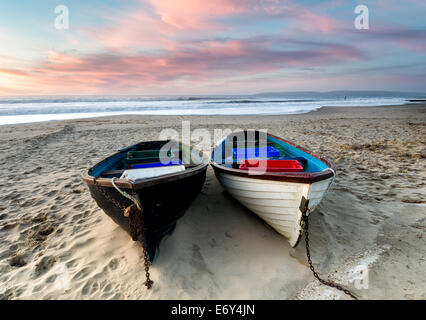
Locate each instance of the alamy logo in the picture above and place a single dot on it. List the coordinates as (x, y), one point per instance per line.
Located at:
(362, 20)
(227, 153)
(62, 281)
(361, 279)
(62, 20)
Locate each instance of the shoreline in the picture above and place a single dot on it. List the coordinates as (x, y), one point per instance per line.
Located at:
(57, 244)
(320, 109)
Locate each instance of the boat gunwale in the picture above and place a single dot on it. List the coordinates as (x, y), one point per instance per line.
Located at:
(294, 177)
(125, 183)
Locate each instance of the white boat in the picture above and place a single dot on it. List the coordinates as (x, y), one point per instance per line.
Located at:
(277, 192)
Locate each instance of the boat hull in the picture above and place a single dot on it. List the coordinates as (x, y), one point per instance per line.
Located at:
(276, 202)
(279, 197)
(163, 204)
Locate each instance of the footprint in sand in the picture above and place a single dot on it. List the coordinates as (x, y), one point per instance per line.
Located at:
(91, 287)
(77, 217)
(117, 263)
(83, 273)
(39, 234)
(44, 265)
(18, 260)
(78, 206)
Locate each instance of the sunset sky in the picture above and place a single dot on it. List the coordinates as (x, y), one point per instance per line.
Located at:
(210, 47)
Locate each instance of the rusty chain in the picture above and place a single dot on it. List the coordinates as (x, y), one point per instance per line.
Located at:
(106, 195)
(305, 220)
(137, 227)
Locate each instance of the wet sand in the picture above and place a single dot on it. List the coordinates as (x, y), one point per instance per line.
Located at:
(57, 244)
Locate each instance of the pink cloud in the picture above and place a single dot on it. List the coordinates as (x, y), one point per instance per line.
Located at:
(193, 14)
(135, 29)
(13, 72)
(413, 39)
(312, 22)
(303, 18)
(159, 25)
(192, 64)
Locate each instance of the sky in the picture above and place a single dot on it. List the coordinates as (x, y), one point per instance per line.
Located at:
(189, 47)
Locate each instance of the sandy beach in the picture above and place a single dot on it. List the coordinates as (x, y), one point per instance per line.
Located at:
(57, 244)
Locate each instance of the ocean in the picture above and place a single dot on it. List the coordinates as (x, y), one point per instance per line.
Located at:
(16, 110)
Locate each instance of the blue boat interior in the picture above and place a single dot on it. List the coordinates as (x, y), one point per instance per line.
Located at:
(145, 155)
(254, 148)
(228, 154)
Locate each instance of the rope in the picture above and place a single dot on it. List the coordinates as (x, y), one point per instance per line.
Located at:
(126, 195)
(332, 180)
(329, 186)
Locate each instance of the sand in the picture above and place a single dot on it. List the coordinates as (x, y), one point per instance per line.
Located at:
(57, 244)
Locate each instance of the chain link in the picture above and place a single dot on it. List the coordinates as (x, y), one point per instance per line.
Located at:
(305, 220)
(137, 228)
(106, 195)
